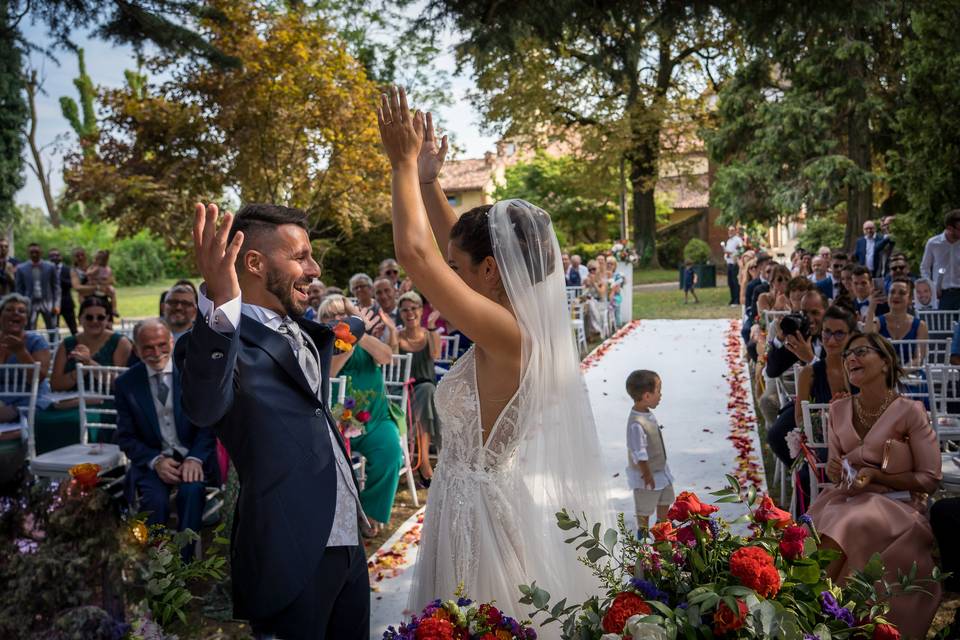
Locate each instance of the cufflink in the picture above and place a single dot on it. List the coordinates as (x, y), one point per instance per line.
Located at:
(216, 355)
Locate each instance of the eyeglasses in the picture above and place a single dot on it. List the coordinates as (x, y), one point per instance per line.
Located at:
(391, 272)
(834, 335)
(859, 352)
(92, 318)
(179, 303)
(898, 267)
(592, 269)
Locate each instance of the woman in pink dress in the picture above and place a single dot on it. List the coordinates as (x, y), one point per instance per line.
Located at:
(890, 446)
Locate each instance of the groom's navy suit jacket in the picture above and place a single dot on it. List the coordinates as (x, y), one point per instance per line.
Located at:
(249, 388)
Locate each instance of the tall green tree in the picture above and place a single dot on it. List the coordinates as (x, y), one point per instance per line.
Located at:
(83, 118)
(809, 115)
(13, 116)
(616, 78)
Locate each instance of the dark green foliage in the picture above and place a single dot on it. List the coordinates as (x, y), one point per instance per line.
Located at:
(819, 232)
(13, 116)
(360, 253)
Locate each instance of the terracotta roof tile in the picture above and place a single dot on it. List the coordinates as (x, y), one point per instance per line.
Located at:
(466, 175)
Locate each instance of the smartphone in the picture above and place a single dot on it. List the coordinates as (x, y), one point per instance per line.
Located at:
(878, 284)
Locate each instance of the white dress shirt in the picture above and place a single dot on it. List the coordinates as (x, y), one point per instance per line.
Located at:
(730, 248)
(166, 416)
(940, 254)
(871, 246)
(226, 319)
(637, 450)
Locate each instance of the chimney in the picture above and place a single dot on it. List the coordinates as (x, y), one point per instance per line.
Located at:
(489, 158)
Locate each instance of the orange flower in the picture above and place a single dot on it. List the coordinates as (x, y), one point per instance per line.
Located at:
(664, 531)
(624, 606)
(347, 415)
(688, 505)
(344, 337)
(85, 475)
(769, 512)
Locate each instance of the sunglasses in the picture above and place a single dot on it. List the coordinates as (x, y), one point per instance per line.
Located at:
(592, 269)
(859, 352)
(391, 272)
(898, 267)
(92, 318)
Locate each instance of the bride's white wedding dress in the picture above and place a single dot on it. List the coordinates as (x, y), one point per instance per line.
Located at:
(490, 523)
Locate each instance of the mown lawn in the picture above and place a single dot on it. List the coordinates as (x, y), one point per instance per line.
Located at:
(669, 305)
(654, 276)
(142, 301)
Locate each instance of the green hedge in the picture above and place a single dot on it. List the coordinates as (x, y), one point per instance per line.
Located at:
(821, 232)
(588, 250)
(697, 251)
(135, 260)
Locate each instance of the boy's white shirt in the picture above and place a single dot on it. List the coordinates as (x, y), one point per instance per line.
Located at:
(637, 450)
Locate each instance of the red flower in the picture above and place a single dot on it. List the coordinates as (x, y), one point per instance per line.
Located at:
(363, 416)
(664, 531)
(885, 632)
(626, 604)
(754, 568)
(686, 534)
(688, 504)
(86, 475)
(791, 545)
(435, 629)
(769, 512)
(490, 614)
(726, 620)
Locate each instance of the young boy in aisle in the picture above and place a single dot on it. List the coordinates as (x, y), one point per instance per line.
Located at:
(647, 471)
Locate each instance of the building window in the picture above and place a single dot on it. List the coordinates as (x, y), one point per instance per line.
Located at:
(453, 201)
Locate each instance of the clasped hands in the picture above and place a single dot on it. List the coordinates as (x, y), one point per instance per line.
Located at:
(865, 476)
(173, 472)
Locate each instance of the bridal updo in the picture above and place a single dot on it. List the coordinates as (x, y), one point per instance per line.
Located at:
(531, 227)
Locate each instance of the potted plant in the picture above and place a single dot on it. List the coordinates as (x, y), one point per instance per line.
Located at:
(698, 252)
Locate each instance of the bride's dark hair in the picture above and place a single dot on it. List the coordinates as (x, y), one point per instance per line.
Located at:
(471, 233)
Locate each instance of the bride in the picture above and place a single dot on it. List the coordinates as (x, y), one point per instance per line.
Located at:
(519, 440)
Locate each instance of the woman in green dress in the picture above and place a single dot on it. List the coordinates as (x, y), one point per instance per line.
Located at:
(380, 441)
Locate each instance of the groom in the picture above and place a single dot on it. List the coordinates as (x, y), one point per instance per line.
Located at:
(257, 374)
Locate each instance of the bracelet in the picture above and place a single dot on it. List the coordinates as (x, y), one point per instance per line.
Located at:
(434, 329)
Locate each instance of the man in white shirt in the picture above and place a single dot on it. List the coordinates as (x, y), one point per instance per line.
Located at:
(866, 246)
(731, 253)
(165, 450)
(941, 261)
(577, 263)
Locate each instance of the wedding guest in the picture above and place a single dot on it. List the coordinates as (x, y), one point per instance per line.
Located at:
(361, 287)
(315, 295)
(796, 288)
(179, 310)
(898, 323)
(571, 275)
(101, 276)
(165, 450)
(805, 267)
(78, 275)
(748, 272)
(837, 262)
(863, 288)
(866, 250)
(18, 346)
(37, 280)
(594, 292)
(5, 256)
(380, 441)
(788, 349)
(424, 344)
(615, 282)
(95, 344)
(885, 247)
(889, 446)
(821, 275)
(648, 474)
(391, 270)
(577, 263)
(924, 296)
(731, 251)
(776, 298)
(760, 284)
(690, 282)
(941, 261)
(67, 308)
(386, 294)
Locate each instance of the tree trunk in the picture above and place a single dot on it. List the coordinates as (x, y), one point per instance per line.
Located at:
(643, 179)
(37, 166)
(859, 199)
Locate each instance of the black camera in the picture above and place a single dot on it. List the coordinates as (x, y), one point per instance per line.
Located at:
(791, 324)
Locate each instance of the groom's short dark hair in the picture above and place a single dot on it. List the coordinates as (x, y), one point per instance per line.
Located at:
(256, 220)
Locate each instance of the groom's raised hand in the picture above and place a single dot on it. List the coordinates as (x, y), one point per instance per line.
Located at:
(401, 133)
(215, 258)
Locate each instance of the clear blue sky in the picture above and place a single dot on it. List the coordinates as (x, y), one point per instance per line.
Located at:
(106, 63)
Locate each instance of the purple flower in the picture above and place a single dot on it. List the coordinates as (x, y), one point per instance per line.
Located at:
(26, 545)
(531, 634)
(714, 527)
(464, 602)
(810, 636)
(349, 403)
(649, 590)
(806, 519)
(832, 608)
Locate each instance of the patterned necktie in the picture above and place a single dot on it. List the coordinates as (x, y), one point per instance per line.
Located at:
(162, 389)
(308, 363)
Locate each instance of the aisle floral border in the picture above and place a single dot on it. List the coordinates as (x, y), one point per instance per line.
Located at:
(743, 424)
(597, 354)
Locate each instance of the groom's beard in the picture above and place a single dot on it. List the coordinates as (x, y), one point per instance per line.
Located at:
(282, 288)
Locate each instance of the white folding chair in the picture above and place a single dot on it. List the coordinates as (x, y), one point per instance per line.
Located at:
(943, 383)
(916, 354)
(816, 428)
(573, 295)
(579, 329)
(395, 377)
(449, 348)
(787, 385)
(95, 392)
(19, 381)
(940, 324)
(337, 394)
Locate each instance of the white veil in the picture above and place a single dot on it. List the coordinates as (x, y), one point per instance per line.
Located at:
(559, 460)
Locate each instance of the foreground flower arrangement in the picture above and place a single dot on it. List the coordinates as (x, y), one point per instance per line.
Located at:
(461, 619)
(697, 579)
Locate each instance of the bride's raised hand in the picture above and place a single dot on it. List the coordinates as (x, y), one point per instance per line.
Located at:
(401, 132)
(431, 157)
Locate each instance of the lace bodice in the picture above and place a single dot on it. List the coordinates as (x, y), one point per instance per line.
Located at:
(458, 403)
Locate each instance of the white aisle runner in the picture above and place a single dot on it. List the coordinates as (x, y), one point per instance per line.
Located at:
(690, 357)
